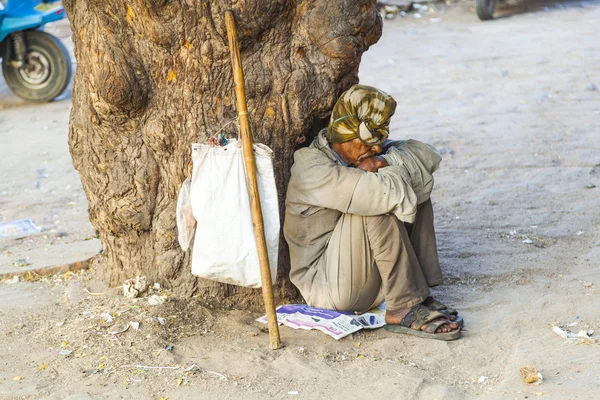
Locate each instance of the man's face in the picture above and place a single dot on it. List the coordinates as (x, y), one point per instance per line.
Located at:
(355, 151)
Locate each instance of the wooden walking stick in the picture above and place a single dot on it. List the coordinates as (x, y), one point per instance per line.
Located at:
(257, 218)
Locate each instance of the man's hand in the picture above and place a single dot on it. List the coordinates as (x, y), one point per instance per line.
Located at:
(372, 164)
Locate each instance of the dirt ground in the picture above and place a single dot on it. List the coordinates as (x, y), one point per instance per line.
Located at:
(513, 105)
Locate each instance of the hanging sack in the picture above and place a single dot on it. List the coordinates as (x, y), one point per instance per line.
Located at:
(185, 216)
(224, 246)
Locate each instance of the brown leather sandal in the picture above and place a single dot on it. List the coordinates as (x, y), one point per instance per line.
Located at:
(420, 315)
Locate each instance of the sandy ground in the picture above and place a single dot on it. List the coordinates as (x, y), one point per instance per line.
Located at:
(37, 181)
(514, 106)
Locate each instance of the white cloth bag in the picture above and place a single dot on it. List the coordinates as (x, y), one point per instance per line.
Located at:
(224, 245)
(185, 216)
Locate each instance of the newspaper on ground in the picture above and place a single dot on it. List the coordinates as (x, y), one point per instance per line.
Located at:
(18, 229)
(336, 324)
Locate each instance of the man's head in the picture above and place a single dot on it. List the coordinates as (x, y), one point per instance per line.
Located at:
(360, 123)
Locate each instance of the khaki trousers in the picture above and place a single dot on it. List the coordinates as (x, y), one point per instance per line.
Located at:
(371, 259)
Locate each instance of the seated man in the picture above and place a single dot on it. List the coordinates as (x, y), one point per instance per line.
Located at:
(359, 222)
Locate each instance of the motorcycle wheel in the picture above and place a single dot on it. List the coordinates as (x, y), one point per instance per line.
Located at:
(46, 69)
(485, 9)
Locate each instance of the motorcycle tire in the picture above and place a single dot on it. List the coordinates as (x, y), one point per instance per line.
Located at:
(46, 71)
(485, 9)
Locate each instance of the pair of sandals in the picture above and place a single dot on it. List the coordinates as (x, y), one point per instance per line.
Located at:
(433, 314)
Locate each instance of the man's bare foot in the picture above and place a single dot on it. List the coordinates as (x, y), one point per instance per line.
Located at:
(395, 317)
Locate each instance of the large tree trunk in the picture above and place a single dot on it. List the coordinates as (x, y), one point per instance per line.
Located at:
(154, 76)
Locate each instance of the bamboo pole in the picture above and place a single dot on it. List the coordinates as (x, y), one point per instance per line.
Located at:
(257, 218)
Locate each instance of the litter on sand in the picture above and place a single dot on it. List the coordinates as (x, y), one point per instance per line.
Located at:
(156, 300)
(581, 337)
(133, 288)
(106, 317)
(19, 228)
(334, 323)
(118, 328)
(531, 376)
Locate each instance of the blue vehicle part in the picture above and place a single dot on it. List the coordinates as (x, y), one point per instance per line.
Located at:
(20, 15)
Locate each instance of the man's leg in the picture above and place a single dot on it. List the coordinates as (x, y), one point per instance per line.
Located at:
(422, 238)
(367, 255)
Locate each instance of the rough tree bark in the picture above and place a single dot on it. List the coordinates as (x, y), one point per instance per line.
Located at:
(154, 76)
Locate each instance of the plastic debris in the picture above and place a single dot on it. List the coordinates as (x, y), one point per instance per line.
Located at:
(106, 317)
(579, 233)
(156, 286)
(118, 328)
(482, 379)
(581, 337)
(65, 352)
(531, 376)
(19, 228)
(528, 241)
(13, 280)
(220, 141)
(135, 325)
(293, 392)
(161, 320)
(156, 300)
(17, 378)
(21, 263)
(170, 347)
(133, 288)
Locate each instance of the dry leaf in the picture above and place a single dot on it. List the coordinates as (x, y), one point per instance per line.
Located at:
(130, 15)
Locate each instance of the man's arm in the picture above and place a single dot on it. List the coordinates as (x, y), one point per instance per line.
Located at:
(420, 159)
(320, 182)
(386, 191)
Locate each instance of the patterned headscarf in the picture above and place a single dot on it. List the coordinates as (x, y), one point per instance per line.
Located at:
(361, 112)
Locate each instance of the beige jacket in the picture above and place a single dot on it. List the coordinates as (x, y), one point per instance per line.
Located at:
(321, 188)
